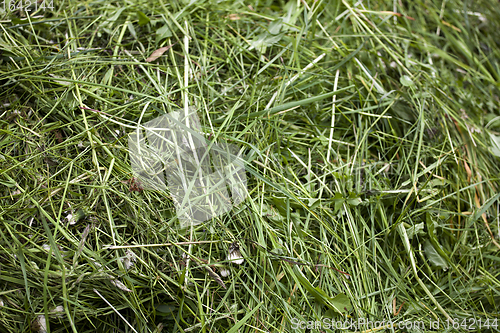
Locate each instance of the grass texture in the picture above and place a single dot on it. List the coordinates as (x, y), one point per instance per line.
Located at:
(371, 136)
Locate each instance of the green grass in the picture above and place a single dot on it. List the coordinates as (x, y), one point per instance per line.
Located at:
(372, 143)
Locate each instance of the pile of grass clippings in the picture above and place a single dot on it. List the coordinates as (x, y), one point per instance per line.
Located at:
(371, 136)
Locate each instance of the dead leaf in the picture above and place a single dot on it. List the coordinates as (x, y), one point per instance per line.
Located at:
(215, 276)
(158, 53)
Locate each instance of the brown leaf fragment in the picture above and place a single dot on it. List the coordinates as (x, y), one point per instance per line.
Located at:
(158, 53)
(233, 17)
(215, 276)
(82, 242)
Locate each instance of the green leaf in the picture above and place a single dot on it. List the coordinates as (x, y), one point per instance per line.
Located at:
(265, 39)
(339, 200)
(339, 303)
(278, 251)
(108, 23)
(8, 183)
(416, 229)
(163, 32)
(433, 256)
(143, 19)
(280, 205)
(406, 81)
(354, 201)
(275, 26)
(165, 309)
(291, 13)
(313, 202)
(495, 145)
(438, 182)
(272, 213)
(131, 29)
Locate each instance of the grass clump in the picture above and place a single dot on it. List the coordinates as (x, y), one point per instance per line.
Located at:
(371, 135)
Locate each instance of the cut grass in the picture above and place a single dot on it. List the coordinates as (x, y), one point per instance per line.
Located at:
(369, 132)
